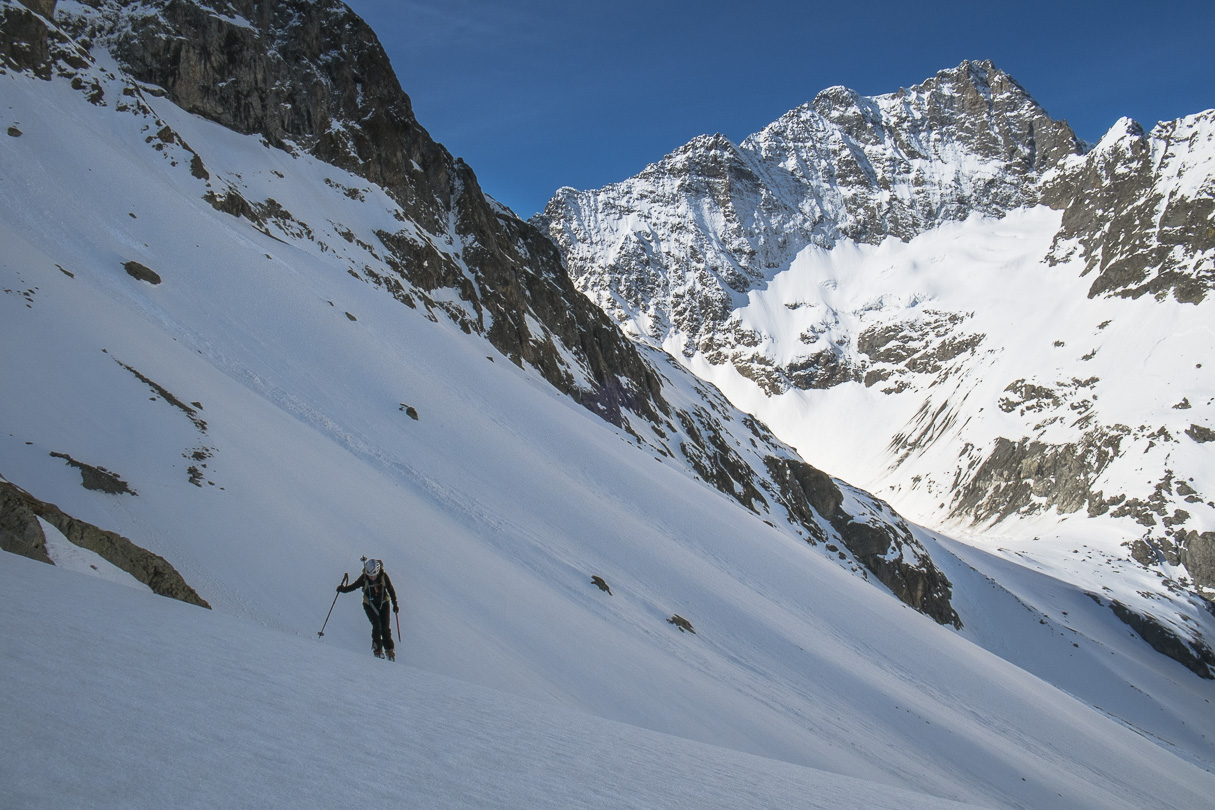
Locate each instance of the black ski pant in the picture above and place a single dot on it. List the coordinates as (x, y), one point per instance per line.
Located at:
(381, 625)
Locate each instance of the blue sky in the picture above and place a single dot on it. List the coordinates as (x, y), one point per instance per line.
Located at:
(538, 94)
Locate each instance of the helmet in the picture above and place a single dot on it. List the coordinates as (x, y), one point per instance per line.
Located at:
(372, 568)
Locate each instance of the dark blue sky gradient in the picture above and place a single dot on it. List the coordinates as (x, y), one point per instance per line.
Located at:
(539, 94)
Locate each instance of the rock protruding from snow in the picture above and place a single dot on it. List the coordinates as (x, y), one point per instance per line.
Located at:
(1140, 209)
(28, 42)
(21, 533)
(871, 531)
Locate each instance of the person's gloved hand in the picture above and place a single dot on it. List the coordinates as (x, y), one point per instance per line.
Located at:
(396, 609)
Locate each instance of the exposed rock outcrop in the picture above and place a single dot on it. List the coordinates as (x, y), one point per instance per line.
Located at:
(20, 533)
(1198, 557)
(1193, 655)
(683, 624)
(28, 42)
(1022, 475)
(880, 540)
(1133, 209)
(141, 272)
(97, 478)
(44, 7)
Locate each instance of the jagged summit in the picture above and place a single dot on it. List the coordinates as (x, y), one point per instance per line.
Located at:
(1140, 208)
(975, 104)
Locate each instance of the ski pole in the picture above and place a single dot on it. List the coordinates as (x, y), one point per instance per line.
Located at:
(345, 578)
(398, 615)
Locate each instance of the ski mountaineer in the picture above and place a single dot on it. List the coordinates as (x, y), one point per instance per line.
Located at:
(377, 589)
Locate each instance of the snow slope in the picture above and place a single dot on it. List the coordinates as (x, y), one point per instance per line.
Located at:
(1139, 358)
(492, 510)
(1100, 378)
(186, 708)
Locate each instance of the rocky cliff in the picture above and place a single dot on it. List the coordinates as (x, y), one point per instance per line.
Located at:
(313, 77)
(1140, 209)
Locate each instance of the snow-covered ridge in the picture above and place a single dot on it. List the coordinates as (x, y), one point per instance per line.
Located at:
(1139, 210)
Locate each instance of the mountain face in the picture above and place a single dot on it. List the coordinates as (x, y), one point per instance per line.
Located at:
(941, 294)
(1140, 210)
(676, 248)
(310, 78)
(313, 77)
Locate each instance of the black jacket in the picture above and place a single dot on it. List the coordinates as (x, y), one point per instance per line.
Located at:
(375, 592)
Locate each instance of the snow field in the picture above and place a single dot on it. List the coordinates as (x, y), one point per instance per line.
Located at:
(137, 701)
(1132, 366)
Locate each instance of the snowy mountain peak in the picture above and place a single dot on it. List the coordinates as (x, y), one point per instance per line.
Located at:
(974, 86)
(1138, 209)
(842, 167)
(1125, 130)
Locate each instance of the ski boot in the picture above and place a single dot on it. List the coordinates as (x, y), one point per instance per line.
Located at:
(375, 648)
(392, 654)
